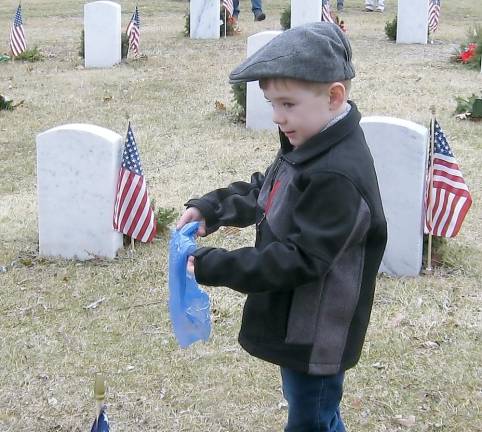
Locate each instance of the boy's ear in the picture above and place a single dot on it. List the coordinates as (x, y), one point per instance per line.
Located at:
(337, 93)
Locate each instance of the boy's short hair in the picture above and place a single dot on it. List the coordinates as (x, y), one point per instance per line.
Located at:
(317, 52)
(316, 87)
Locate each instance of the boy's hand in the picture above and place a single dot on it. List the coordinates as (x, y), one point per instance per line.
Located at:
(190, 265)
(192, 214)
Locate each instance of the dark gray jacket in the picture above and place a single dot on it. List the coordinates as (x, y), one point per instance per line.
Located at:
(320, 238)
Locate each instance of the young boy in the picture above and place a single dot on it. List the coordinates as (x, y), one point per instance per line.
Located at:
(320, 227)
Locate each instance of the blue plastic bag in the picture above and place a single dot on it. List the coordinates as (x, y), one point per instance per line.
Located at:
(188, 304)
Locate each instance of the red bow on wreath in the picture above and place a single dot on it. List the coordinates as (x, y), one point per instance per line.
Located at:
(469, 52)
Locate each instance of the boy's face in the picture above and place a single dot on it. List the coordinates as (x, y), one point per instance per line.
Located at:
(298, 110)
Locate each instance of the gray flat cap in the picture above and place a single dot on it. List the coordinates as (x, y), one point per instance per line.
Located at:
(317, 52)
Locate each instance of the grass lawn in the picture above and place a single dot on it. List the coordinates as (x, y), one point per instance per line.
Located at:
(423, 349)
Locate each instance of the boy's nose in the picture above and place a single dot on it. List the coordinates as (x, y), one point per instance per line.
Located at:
(278, 117)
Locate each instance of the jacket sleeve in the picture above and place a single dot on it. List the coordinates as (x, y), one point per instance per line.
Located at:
(329, 217)
(234, 205)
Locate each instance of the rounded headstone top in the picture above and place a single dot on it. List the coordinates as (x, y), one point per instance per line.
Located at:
(84, 128)
(393, 121)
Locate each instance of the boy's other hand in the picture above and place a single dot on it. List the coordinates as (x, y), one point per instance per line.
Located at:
(192, 214)
(190, 265)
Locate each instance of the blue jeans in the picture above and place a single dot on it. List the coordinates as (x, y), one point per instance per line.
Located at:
(255, 5)
(313, 401)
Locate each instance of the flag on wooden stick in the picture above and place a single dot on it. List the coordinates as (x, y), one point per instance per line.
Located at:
(133, 32)
(18, 43)
(101, 422)
(133, 214)
(448, 198)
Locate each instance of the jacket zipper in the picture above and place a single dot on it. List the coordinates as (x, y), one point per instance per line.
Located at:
(275, 172)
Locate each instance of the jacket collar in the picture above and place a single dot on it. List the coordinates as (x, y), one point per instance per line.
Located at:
(321, 142)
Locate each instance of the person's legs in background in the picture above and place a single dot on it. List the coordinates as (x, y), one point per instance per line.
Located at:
(257, 8)
(236, 9)
(234, 18)
(313, 401)
(339, 5)
(370, 5)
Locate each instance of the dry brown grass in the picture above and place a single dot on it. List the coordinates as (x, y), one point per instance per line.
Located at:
(422, 355)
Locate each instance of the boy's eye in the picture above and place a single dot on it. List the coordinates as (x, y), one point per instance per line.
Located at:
(288, 105)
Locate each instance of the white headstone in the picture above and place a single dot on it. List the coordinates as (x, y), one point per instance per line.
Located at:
(102, 34)
(305, 11)
(399, 149)
(259, 114)
(412, 21)
(204, 19)
(77, 171)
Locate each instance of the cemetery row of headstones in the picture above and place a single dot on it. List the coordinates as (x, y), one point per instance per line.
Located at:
(412, 16)
(77, 175)
(102, 25)
(101, 35)
(77, 165)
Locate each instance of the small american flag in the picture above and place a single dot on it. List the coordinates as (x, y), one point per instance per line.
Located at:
(133, 31)
(229, 6)
(101, 423)
(448, 197)
(326, 12)
(433, 15)
(133, 214)
(18, 43)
